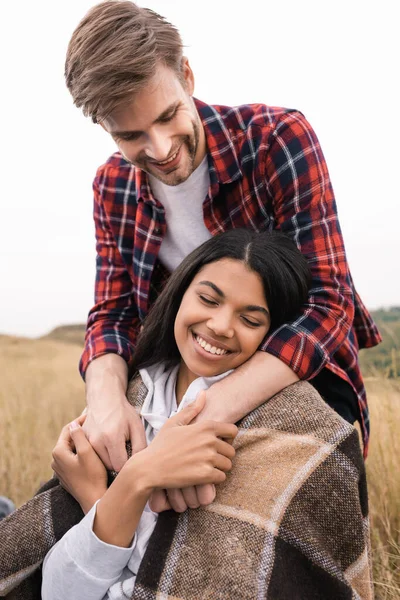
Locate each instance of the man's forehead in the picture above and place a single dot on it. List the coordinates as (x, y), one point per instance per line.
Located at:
(162, 92)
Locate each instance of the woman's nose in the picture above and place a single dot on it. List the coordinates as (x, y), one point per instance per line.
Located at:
(221, 324)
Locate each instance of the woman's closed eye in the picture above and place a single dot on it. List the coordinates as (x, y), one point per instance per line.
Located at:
(250, 322)
(207, 300)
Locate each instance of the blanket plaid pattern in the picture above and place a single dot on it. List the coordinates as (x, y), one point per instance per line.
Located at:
(289, 523)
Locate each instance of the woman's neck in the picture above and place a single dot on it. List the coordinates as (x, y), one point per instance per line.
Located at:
(183, 380)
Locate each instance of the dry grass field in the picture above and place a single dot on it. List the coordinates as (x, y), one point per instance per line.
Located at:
(41, 391)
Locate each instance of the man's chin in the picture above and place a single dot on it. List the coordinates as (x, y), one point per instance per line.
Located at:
(174, 178)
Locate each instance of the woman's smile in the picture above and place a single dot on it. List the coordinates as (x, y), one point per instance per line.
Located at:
(210, 349)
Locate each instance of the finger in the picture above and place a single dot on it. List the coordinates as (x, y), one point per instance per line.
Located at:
(206, 493)
(158, 501)
(222, 463)
(225, 448)
(79, 438)
(176, 500)
(100, 448)
(81, 419)
(103, 454)
(65, 436)
(137, 436)
(224, 430)
(185, 416)
(118, 454)
(218, 476)
(190, 496)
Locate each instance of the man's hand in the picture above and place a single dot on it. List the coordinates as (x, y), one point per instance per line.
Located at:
(109, 424)
(77, 466)
(111, 420)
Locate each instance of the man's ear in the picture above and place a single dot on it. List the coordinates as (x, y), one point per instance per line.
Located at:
(188, 77)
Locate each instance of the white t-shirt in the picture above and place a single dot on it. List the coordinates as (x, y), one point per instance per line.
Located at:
(183, 206)
(82, 567)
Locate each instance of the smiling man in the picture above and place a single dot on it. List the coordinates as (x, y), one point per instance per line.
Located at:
(186, 171)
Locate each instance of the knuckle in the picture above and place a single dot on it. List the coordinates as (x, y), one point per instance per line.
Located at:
(55, 453)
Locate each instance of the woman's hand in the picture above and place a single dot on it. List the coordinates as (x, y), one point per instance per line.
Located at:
(181, 455)
(193, 496)
(78, 467)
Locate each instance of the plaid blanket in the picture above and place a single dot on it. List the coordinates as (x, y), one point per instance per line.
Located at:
(290, 522)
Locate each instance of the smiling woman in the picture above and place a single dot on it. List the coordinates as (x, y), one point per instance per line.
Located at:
(229, 292)
(289, 488)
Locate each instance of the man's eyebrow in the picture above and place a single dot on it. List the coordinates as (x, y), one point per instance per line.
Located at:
(250, 307)
(166, 113)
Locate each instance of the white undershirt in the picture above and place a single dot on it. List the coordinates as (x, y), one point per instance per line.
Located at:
(81, 566)
(183, 206)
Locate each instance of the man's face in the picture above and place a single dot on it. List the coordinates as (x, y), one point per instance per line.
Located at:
(160, 131)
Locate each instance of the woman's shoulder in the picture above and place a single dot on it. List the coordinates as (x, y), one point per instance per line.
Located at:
(299, 411)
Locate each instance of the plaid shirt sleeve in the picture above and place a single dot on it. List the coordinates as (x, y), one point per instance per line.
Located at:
(113, 322)
(304, 208)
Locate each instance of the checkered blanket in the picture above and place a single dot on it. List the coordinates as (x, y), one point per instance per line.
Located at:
(289, 523)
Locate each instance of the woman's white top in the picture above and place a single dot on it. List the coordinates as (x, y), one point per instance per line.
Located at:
(80, 565)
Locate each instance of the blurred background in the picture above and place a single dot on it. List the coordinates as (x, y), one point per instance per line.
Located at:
(337, 62)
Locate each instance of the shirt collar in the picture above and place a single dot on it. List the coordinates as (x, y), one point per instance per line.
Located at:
(222, 157)
(223, 162)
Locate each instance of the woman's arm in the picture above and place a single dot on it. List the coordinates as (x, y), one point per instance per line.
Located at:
(179, 456)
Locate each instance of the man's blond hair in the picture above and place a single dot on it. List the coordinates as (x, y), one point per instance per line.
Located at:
(114, 52)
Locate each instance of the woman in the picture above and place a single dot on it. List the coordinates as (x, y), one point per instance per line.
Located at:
(272, 531)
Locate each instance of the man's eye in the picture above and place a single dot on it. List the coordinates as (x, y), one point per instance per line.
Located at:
(168, 118)
(131, 137)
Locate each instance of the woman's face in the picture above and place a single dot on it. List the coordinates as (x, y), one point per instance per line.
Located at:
(222, 319)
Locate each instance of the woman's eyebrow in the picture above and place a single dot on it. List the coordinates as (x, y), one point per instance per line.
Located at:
(214, 287)
(255, 308)
(250, 307)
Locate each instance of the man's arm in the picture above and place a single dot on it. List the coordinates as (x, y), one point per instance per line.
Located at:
(251, 384)
(113, 321)
(110, 339)
(304, 208)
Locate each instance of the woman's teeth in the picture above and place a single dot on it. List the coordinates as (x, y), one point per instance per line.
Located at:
(208, 348)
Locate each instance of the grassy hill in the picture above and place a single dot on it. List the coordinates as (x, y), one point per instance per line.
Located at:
(384, 358)
(41, 391)
(72, 334)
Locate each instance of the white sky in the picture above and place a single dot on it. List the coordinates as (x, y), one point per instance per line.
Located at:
(337, 62)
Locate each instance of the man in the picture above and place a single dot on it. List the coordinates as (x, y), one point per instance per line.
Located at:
(186, 171)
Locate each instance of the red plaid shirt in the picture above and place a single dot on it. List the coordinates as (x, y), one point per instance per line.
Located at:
(267, 171)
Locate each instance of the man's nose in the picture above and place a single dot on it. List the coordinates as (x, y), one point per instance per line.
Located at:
(158, 146)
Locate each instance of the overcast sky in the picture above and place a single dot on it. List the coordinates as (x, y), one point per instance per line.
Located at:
(337, 62)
